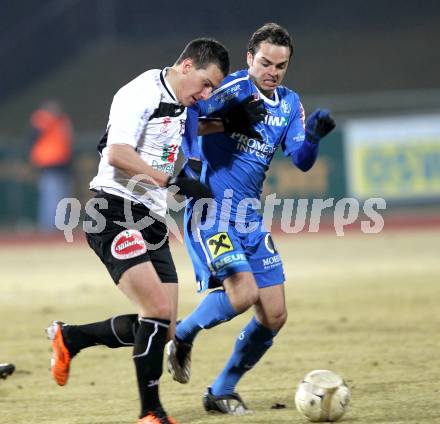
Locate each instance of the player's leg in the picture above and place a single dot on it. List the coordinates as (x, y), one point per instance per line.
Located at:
(117, 331)
(68, 340)
(131, 262)
(214, 309)
(114, 332)
(171, 289)
(144, 289)
(164, 265)
(254, 339)
(239, 294)
(217, 307)
(217, 260)
(271, 310)
(252, 343)
(152, 286)
(257, 336)
(156, 303)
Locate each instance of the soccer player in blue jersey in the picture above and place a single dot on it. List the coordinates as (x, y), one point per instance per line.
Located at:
(231, 250)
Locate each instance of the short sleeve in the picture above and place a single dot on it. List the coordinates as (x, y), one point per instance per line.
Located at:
(129, 113)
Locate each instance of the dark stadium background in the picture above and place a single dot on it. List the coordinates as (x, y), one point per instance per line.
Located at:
(359, 58)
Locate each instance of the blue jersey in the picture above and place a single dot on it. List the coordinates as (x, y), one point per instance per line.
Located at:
(238, 163)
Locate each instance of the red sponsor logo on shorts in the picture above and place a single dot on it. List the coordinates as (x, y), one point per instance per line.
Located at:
(128, 244)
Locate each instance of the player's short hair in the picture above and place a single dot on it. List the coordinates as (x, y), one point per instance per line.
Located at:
(205, 51)
(273, 34)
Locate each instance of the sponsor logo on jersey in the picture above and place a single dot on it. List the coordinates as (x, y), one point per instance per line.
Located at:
(169, 152)
(250, 145)
(165, 124)
(303, 115)
(228, 94)
(299, 137)
(182, 126)
(168, 168)
(128, 244)
(268, 242)
(276, 121)
(285, 107)
(218, 244)
(211, 109)
(229, 259)
(272, 261)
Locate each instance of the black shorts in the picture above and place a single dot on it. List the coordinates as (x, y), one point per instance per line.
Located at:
(121, 248)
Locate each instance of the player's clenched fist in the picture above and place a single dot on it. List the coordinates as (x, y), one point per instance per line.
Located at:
(190, 187)
(319, 124)
(242, 116)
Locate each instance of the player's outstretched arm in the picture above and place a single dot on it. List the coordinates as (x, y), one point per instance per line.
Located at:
(318, 125)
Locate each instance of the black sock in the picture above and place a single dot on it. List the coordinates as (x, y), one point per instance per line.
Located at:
(148, 356)
(118, 331)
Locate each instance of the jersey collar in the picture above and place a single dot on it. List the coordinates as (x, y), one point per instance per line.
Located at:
(166, 85)
(271, 102)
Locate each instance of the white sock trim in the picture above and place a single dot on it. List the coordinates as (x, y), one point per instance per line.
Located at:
(115, 334)
(152, 321)
(150, 340)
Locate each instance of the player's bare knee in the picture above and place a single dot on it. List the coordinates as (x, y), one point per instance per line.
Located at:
(253, 296)
(164, 310)
(160, 310)
(275, 321)
(242, 291)
(244, 299)
(243, 303)
(279, 320)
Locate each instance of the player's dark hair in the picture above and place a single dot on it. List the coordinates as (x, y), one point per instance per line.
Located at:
(205, 51)
(273, 34)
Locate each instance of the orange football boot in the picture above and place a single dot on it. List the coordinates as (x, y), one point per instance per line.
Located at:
(60, 361)
(156, 417)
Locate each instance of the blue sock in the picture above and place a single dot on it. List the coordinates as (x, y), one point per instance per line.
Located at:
(214, 309)
(251, 345)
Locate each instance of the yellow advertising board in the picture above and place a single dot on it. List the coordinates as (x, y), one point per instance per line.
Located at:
(394, 158)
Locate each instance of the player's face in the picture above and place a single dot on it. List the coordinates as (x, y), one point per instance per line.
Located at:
(198, 84)
(268, 66)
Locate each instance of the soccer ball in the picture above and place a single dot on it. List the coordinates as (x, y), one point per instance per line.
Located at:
(322, 396)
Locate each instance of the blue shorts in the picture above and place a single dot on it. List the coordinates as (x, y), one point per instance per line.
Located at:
(221, 251)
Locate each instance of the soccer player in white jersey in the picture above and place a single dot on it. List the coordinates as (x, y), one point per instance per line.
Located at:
(236, 255)
(144, 132)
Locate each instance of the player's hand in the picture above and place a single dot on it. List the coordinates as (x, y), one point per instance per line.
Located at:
(242, 116)
(191, 169)
(190, 188)
(318, 125)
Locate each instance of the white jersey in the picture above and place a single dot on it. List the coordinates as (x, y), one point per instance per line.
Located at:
(145, 115)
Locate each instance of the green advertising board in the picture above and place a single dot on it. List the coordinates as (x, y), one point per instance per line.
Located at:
(326, 179)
